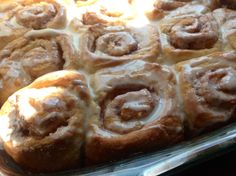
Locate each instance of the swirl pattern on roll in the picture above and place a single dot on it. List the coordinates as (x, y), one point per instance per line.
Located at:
(173, 8)
(157, 71)
(103, 46)
(159, 8)
(139, 111)
(190, 36)
(36, 14)
(42, 125)
(31, 56)
(9, 33)
(207, 85)
(162, 7)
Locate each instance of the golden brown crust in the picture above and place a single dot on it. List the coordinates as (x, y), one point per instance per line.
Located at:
(102, 46)
(139, 111)
(31, 56)
(189, 36)
(207, 85)
(42, 125)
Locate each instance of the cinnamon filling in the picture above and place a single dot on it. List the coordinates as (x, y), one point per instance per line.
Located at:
(193, 33)
(43, 111)
(124, 112)
(39, 57)
(132, 105)
(217, 87)
(36, 16)
(116, 44)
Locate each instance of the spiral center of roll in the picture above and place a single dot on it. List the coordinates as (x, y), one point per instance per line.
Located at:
(136, 105)
(39, 57)
(218, 87)
(193, 33)
(122, 114)
(45, 110)
(225, 79)
(116, 44)
(36, 16)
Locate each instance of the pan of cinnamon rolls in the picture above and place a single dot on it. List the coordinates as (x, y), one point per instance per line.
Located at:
(87, 82)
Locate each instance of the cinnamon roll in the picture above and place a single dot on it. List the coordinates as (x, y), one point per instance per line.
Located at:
(43, 125)
(189, 36)
(32, 56)
(207, 85)
(9, 32)
(102, 46)
(226, 19)
(139, 111)
(162, 8)
(111, 12)
(36, 14)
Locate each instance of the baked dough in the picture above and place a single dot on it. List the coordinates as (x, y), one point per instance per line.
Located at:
(34, 14)
(31, 56)
(19, 16)
(162, 8)
(207, 86)
(189, 36)
(110, 12)
(226, 19)
(42, 125)
(156, 72)
(102, 46)
(9, 32)
(139, 111)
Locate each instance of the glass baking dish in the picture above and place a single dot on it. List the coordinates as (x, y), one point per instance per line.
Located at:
(171, 160)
